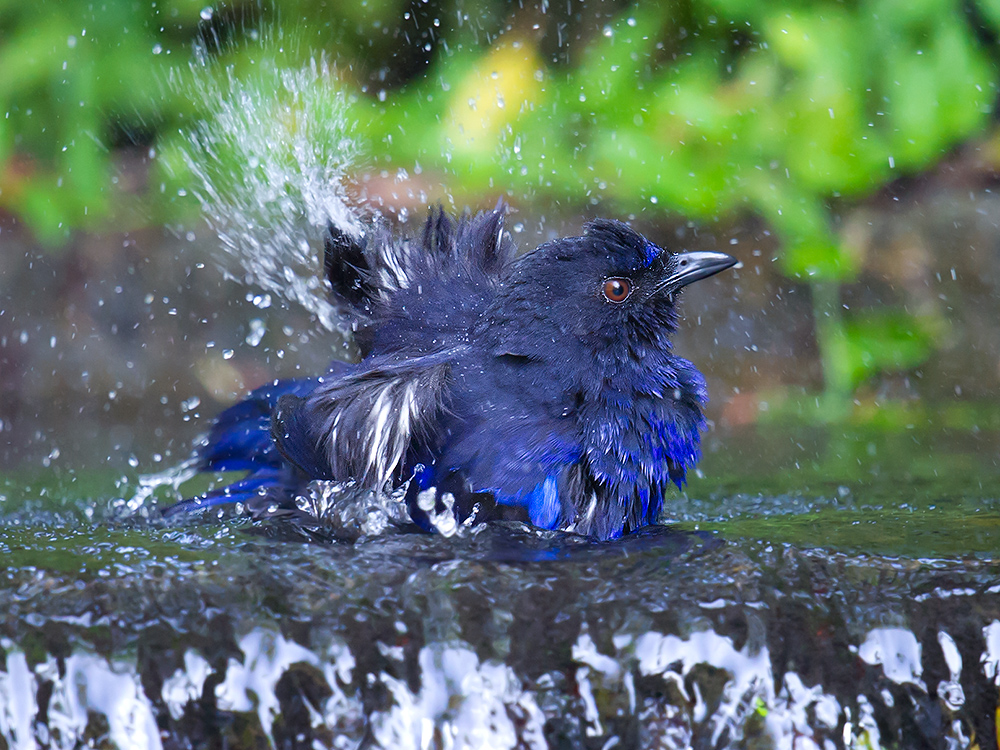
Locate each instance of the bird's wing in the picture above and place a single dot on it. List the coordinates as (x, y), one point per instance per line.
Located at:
(513, 449)
(363, 426)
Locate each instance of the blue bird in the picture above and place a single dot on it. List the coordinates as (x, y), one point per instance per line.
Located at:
(541, 388)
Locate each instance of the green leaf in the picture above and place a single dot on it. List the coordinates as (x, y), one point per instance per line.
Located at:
(885, 341)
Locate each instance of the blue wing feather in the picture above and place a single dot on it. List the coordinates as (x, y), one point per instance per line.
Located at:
(517, 451)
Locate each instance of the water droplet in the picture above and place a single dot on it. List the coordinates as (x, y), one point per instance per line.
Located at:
(257, 331)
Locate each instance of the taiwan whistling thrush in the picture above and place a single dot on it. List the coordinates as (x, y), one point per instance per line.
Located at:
(541, 388)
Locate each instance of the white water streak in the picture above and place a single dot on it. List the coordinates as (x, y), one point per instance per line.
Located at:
(269, 166)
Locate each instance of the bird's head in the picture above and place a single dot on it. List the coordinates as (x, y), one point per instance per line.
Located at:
(611, 289)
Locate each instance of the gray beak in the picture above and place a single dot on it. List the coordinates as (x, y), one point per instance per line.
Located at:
(689, 267)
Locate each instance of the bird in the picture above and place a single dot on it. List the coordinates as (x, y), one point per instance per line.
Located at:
(541, 388)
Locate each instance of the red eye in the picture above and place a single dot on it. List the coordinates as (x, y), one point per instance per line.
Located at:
(617, 289)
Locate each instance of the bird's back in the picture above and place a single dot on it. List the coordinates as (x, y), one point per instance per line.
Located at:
(419, 295)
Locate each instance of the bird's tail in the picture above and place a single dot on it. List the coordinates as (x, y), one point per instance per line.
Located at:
(240, 440)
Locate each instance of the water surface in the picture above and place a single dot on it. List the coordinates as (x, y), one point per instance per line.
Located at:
(818, 587)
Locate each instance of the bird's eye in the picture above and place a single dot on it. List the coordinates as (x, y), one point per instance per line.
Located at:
(617, 289)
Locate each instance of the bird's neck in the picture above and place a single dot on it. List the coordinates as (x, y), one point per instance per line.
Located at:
(643, 366)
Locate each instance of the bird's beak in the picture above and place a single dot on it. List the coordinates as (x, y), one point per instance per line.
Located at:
(693, 266)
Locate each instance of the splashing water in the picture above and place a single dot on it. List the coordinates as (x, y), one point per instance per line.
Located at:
(347, 511)
(269, 167)
(343, 507)
(149, 484)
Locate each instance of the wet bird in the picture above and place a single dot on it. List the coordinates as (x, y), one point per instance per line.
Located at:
(541, 388)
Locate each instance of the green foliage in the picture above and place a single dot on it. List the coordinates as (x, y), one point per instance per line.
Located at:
(79, 79)
(705, 109)
(878, 341)
(72, 72)
(776, 108)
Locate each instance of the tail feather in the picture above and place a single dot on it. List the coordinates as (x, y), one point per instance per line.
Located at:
(240, 439)
(273, 482)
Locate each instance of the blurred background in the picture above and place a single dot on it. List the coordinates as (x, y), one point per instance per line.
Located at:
(166, 169)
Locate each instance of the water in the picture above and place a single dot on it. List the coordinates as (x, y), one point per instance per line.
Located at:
(867, 616)
(269, 168)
